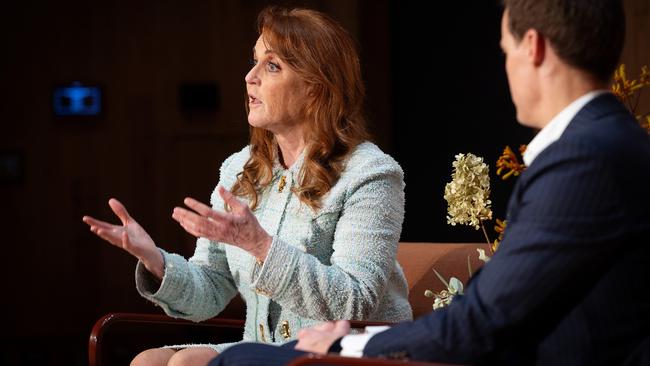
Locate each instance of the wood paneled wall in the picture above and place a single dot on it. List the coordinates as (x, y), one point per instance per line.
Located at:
(58, 277)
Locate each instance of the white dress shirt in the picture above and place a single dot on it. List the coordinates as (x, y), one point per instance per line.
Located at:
(554, 129)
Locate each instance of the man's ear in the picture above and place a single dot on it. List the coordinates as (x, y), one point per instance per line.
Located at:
(536, 46)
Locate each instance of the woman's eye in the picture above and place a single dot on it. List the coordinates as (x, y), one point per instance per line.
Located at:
(272, 67)
(252, 62)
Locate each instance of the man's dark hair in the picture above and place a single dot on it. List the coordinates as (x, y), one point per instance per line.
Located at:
(587, 34)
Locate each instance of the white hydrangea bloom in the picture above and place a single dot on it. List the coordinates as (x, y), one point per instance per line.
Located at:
(482, 256)
(468, 194)
(445, 297)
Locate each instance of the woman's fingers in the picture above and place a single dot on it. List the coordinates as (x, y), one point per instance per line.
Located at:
(203, 209)
(196, 224)
(119, 210)
(230, 199)
(109, 235)
(191, 230)
(197, 206)
(128, 235)
(126, 241)
(185, 216)
(102, 229)
(92, 222)
(238, 227)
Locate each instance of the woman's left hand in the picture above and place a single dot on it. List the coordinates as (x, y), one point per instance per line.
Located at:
(239, 227)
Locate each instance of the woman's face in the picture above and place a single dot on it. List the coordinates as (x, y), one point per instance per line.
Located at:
(276, 95)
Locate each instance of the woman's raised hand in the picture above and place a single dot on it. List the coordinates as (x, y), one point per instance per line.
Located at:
(129, 236)
(238, 227)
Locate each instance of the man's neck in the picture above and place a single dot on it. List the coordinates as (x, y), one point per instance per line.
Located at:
(562, 89)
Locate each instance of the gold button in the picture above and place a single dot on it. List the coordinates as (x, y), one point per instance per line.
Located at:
(262, 333)
(284, 330)
(262, 292)
(283, 182)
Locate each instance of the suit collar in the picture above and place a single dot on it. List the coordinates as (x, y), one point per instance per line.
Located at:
(555, 128)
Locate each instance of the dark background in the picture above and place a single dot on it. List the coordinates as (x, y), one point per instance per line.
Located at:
(436, 87)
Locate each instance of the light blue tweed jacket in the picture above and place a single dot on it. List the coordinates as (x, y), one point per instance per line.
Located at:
(337, 263)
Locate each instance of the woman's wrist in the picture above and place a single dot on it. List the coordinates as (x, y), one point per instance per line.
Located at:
(263, 247)
(155, 264)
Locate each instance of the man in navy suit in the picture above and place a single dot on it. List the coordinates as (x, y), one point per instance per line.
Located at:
(570, 283)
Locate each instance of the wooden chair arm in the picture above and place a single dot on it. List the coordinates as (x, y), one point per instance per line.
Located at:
(351, 361)
(107, 321)
(104, 324)
(363, 323)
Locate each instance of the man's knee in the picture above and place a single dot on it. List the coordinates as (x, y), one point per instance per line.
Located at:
(253, 354)
(241, 354)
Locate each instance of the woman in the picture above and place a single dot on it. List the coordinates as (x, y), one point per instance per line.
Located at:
(305, 220)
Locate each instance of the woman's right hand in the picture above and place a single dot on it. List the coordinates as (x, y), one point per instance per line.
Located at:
(129, 236)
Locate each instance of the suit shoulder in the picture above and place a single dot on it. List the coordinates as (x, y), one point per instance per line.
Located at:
(607, 127)
(368, 159)
(617, 140)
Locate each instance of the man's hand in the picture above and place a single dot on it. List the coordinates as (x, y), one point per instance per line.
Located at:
(319, 338)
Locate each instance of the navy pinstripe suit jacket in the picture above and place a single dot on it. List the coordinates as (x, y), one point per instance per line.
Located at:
(570, 283)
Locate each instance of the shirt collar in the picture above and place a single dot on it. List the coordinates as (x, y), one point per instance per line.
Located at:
(554, 129)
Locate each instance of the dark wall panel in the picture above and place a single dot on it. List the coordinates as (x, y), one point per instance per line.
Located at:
(445, 95)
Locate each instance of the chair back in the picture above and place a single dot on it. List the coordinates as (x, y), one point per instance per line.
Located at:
(450, 260)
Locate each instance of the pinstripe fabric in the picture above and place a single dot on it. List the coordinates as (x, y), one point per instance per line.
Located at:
(570, 283)
(255, 354)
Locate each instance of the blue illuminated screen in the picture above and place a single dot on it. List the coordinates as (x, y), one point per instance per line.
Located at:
(77, 100)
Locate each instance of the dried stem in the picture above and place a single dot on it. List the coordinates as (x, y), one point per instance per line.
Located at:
(442, 279)
(487, 238)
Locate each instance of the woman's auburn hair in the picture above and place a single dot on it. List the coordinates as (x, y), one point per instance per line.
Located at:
(324, 55)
